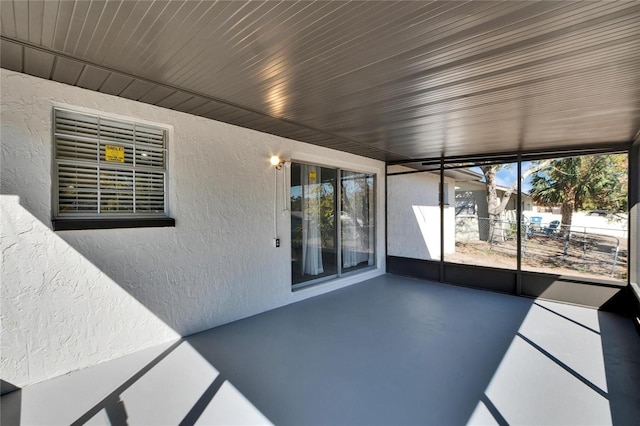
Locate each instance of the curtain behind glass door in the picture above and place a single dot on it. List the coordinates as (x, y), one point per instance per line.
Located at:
(313, 222)
(357, 220)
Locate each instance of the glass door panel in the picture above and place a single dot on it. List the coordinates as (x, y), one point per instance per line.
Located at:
(313, 222)
(357, 220)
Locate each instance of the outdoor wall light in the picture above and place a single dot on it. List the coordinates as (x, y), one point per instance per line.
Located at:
(277, 162)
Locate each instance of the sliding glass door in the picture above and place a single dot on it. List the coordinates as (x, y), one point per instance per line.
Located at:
(325, 244)
(357, 220)
(313, 222)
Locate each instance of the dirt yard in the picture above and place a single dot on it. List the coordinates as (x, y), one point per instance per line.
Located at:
(589, 257)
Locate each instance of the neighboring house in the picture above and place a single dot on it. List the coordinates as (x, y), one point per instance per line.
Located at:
(414, 214)
(471, 199)
(471, 208)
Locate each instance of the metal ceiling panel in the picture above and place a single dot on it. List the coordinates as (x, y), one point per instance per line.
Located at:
(92, 77)
(176, 98)
(157, 94)
(79, 18)
(137, 89)
(36, 12)
(21, 16)
(388, 80)
(38, 63)
(94, 36)
(83, 24)
(67, 71)
(218, 110)
(11, 56)
(49, 20)
(191, 104)
(204, 109)
(62, 26)
(116, 83)
(119, 27)
(7, 19)
(169, 42)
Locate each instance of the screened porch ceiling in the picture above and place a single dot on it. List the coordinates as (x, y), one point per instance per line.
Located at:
(393, 81)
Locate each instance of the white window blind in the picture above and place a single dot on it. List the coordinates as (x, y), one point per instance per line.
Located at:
(108, 168)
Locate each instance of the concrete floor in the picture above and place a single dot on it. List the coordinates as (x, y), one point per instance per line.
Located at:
(388, 351)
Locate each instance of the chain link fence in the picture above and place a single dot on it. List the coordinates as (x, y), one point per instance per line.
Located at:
(545, 246)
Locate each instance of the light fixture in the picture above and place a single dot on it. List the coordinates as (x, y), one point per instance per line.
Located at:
(276, 162)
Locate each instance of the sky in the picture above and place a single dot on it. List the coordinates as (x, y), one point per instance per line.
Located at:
(506, 176)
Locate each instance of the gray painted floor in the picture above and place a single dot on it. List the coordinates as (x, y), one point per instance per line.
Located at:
(388, 351)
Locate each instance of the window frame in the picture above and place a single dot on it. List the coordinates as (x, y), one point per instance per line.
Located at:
(463, 206)
(107, 220)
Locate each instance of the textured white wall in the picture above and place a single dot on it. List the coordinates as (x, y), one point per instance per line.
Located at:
(75, 298)
(635, 237)
(413, 215)
(634, 217)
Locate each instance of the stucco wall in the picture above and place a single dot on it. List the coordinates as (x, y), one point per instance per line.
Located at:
(413, 219)
(635, 236)
(75, 298)
(634, 216)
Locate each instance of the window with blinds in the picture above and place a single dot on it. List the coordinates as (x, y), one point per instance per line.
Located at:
(108, 168)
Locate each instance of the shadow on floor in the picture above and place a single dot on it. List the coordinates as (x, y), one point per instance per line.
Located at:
(10, 404)
(391, 350)
(621, 350)
(388, 351)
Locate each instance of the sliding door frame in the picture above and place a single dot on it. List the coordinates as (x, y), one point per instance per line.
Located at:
(338, 226)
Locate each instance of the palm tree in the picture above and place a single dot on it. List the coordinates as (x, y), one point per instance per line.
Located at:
(574, 181)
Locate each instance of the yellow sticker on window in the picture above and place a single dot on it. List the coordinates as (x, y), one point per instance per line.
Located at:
(312, 175)
(114, 153)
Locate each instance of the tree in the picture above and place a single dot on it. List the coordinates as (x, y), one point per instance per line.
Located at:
(613, 196)
(593, 181)
(495, 208)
